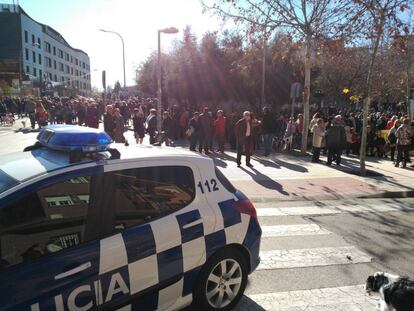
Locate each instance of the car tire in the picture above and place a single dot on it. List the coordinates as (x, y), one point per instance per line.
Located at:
(220, 291)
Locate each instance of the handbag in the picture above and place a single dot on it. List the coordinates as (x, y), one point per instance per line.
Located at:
(190, 131)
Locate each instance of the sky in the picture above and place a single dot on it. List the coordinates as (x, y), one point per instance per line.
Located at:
(136, 20)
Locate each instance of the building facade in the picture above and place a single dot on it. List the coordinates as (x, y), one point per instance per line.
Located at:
(32, 51)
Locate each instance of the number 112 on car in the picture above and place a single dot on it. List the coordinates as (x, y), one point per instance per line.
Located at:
(210, 186)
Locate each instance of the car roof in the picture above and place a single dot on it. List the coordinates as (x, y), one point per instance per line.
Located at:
(25, 165)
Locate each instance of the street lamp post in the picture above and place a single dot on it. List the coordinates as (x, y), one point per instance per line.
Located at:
(123, 49)
(170, 30)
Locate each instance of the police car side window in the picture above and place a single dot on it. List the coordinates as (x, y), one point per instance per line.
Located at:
(145, 194)
(44, 222)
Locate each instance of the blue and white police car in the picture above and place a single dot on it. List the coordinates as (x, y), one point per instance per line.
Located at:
(84, 226)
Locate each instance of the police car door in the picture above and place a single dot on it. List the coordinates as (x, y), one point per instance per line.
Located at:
(49, 259)
(161, 221)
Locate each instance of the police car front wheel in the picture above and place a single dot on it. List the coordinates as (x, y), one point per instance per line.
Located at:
(222, 281)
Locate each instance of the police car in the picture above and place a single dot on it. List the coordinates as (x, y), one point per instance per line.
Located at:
(84, 226)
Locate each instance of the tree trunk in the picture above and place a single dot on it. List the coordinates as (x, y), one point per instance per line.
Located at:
(367, 104)
(306, 99)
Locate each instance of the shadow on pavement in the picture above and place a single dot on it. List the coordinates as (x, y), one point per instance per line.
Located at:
(385, 236)
(247, 304)
(265, 181)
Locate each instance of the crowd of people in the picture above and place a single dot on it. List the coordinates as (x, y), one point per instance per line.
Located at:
(390, 133)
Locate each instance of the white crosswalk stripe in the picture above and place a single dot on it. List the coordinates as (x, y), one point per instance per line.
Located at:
(346, 298)
(311, 257)
(292, 230)
(327, 210)
(295, 229)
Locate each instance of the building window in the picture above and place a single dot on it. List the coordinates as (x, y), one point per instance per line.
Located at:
(54, 50)
(55, 78)
(27, 53)
(47, 47)
(54, 64)
(33, 39)
(62, 79)
(40, 73)
(50, 76)
(76, 61)
(34, 57)
(26, 39)
(67, 69)
(60, 53)
(71, 59)
(38, 42)
(83, 65)
(77, 72)
(67, 57)
(40, 59)
(27, 69)
(34, 72)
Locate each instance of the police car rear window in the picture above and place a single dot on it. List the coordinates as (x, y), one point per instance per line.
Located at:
(6, 181)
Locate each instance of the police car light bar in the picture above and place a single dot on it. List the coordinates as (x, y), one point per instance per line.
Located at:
(74, 138)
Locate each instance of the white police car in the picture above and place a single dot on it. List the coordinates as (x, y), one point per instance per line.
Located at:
(85, 227)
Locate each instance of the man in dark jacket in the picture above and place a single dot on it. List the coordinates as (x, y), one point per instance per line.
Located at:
(268, 127)
(206, 123)
(109, 121)
(244, 138)
(152, 125)
(335, 140)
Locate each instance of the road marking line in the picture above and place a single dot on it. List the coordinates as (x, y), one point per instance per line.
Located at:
(292, 230)
(311, 257)
(345, 298)
(329, 210)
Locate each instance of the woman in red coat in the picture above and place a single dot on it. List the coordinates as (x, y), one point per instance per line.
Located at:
(220, 130)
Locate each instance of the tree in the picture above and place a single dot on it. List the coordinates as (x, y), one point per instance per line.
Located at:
(307, 20)
(378, 18)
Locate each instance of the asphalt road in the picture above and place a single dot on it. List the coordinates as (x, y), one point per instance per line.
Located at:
(316, 255)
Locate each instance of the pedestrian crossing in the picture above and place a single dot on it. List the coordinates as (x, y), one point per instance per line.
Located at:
(296, 256)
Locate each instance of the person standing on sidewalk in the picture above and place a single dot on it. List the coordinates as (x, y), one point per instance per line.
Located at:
(392, 138)
(206, 130)
(335, 140)
(109, 121)
(268, 129)
(138, 123)
(193, 131)
(404, 134)
(318, 131)
(119, 126)
(244, 138)
(220, 130)
(152, 125)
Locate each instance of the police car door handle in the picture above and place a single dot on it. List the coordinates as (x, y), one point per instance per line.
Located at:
(193, 223)
(73, 271)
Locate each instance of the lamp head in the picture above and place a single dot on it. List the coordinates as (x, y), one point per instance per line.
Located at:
(169, 30)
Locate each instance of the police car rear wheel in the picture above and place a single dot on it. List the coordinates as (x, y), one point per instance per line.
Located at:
(222, 281)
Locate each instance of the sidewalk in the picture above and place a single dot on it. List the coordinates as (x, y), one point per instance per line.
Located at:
(295, 177)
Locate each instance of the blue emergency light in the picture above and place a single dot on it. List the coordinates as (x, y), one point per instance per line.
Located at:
(74, 138)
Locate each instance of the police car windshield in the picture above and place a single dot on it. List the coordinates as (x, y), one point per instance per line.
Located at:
(6, 181)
